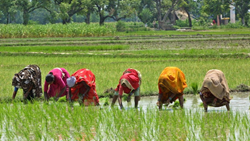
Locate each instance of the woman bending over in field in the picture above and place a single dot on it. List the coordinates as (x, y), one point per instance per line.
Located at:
(28, 79)
(129, 83)
(171, 84)
(82, 86)
(214, 91)
(56, 80)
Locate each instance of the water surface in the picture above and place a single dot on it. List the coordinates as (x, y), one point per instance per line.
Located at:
(239, 102)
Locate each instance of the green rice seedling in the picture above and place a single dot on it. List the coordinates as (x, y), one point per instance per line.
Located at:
(105, 101)
(88, 122)
(124, 97)
(62, 99)
(194, 87)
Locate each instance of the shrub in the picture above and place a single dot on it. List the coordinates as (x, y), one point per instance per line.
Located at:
(234, 25)
(181, 23)
(120, 26)
(31, 22)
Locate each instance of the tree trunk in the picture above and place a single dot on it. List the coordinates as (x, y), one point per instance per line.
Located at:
(189, 19)
(25, 17)
(243, 20)
(87, 20)
(162, 21)
(158, 7)
(173, 17)
(102, 19)
(166, 15)
(218, 20)
(66, 21)
(8, 18)
(170, 10)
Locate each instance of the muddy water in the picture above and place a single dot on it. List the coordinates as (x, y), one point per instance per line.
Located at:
(239, 102)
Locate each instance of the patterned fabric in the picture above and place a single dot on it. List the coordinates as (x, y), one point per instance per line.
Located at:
(171, 81)
(86, 76)
(131, 78)
(28, 77)
(211, 100)
(60, 77)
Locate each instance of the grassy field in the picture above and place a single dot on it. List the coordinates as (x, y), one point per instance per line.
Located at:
(107, 57)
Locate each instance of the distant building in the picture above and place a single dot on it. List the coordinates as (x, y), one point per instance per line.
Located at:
(232, 14)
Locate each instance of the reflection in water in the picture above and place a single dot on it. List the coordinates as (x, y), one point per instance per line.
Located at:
(239, 102)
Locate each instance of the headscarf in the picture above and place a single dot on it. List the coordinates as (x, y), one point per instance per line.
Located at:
(216, 83)
(126, 82)
(71, 81)
(172, 79)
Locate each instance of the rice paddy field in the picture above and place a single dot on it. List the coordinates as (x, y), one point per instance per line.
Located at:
(107, 55)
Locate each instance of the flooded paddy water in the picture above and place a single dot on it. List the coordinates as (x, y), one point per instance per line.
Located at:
(239, 102)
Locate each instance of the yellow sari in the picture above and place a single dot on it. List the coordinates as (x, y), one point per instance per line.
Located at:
(171, 81)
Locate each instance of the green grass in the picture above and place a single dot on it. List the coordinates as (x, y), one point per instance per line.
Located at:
(49, 49)
(107, 62)
(149, 52)
(202, 32)
(57, 121)
(108, 70)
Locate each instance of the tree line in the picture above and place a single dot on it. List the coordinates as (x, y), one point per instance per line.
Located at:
(147, 11)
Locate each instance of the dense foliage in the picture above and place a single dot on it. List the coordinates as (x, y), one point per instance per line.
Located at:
(155, 13)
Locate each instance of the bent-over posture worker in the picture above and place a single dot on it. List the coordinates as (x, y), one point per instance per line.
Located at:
(28, 79)
(214, 91)
(171, 85)
(56, 81)
(82, 86)
(129, 83)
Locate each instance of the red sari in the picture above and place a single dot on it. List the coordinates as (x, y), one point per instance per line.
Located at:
(133, 78)
(85, 75)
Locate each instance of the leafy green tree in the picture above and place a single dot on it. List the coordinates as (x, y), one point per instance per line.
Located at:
(90, 9)
(115, 9)
(196, 9)
(94, 17)
(124, 8)
(40, 16)
(68, 8)
(242, 7)
(27, 6)
(53, 9)
(187, 6)
(8, 9)
(164, 8)
(147, 4)
(216, 7)
(146, 15)
(102, 10)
